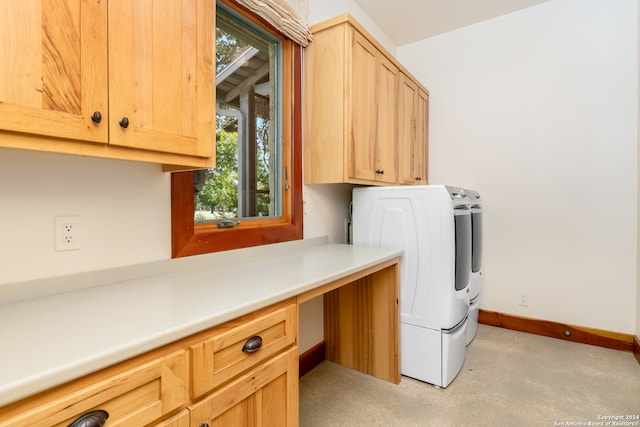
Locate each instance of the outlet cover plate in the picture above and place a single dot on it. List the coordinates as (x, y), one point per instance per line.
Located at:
(67, 237)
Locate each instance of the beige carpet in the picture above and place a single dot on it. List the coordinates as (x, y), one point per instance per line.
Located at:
(508, 379)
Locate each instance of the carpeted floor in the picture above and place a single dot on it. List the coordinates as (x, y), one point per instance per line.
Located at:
(509, 378)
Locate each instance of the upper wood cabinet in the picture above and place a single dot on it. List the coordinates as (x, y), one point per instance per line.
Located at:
(413, 113)
(354, 109)
(370, 118)
(54, 68)
(125, 75)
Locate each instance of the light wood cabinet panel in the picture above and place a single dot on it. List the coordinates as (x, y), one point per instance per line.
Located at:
(161, 75)
(412, 116)
(373, 87)
(180, 420)
(148, 62)
(361, 322)
(266, 396)
(221, 357)
(421, 153)
(352, 102)
(363, 109)
(133, 397)
(54, 68)
(385, 123)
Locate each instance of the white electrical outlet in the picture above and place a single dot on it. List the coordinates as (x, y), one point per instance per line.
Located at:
(67, 237)
(524, 300)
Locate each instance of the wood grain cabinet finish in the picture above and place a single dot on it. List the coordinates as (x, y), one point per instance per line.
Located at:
(54, 68)
(102, 78)
(222, 357)
(371, 153)
(179, 420)
(136, 396)
(413, 116)
(353, 105)
(265, 396)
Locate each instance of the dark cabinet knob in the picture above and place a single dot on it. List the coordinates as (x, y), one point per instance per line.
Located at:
(253, 344)
(91, 419)
(96, 117)
(380, 171)
(204, 425)
(124, 123)
(418, 178)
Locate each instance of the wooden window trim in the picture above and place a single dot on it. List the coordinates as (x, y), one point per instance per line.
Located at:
(188, 238)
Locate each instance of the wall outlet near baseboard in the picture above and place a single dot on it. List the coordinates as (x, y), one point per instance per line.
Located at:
(523, 300)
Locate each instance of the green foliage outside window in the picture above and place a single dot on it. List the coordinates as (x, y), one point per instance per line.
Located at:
(219, 196)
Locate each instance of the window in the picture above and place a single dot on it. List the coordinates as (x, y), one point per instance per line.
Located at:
(253, 196)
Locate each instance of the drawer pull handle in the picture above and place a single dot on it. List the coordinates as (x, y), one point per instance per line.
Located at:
(253, 344)
(91, 419)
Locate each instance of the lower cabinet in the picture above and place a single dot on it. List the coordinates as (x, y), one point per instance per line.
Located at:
(137, 395)
(179, 420)
(241, 373)
(265, 396)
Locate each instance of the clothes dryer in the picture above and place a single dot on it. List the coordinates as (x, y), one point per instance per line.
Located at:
(475, 280)
(432, 224)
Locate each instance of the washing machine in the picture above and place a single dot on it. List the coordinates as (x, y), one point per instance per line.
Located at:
(432, 225)
(475, 279)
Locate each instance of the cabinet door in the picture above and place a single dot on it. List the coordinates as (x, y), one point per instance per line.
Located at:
(54, 68)
(266, 396)
(407, 117)
(385, 123)
(373, 114)
(161, 75)
(412, 132)
(361, 117)
(422, 138)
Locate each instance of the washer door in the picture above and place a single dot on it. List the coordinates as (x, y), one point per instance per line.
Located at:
(476, 240)
(462, 216)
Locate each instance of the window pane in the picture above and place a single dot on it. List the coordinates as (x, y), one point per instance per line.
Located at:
(246, 182)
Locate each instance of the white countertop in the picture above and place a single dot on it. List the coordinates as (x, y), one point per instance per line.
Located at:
(59, 329)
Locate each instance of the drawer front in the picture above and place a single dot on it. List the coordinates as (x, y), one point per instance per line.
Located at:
(180, 420)
(220, 358)
(135, 397)
(265, 396)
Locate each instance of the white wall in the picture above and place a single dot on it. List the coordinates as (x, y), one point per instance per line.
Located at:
(638, 243)
(124, 210)
(326, 207)
(538, 111)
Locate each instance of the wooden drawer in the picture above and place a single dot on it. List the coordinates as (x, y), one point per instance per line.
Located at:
(219, 358)
(265, 396)
(132, 397)
(179, 420)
